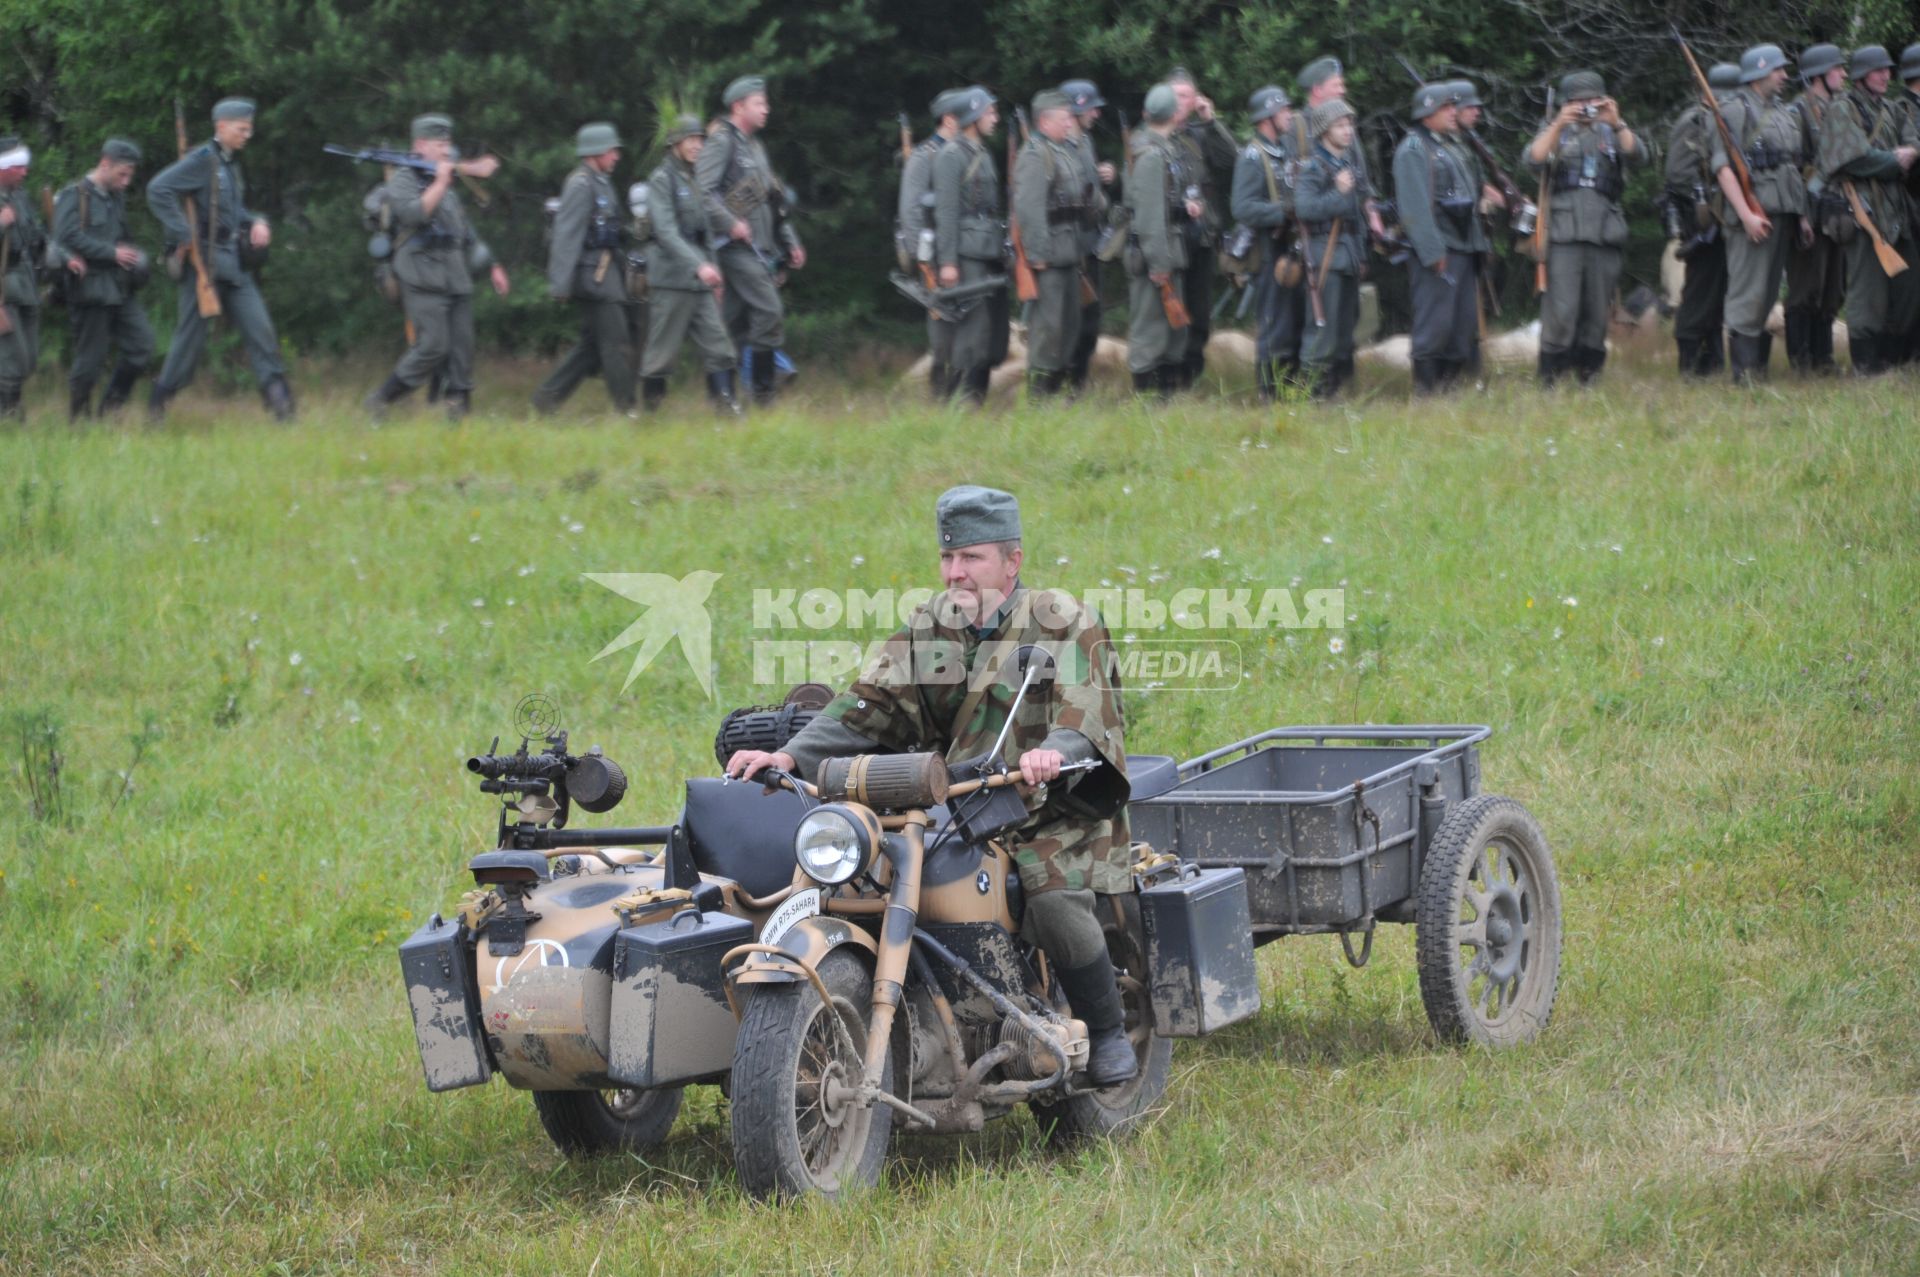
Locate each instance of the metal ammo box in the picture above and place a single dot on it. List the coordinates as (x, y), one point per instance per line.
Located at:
(436, 963)
(1199, 952)
(670, 1022)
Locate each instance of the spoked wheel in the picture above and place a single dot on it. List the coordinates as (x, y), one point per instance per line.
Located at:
(1117, 1108)
(796, 1129)
(1488, 925)
(589, 1123)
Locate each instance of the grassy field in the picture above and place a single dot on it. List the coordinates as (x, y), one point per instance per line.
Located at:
(260, 655)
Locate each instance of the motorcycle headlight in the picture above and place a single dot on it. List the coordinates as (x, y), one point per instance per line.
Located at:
(834, 843)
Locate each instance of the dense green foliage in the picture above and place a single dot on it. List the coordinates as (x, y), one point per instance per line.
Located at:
(520, 80)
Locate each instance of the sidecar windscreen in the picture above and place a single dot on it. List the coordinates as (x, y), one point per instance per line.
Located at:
(742, 832)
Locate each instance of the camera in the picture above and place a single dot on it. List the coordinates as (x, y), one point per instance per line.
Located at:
(1590, 110)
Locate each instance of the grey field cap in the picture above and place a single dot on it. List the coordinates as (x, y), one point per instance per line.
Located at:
(432, 125)
(1319, 71)
(120, 151)
(1723, 75)
(1869, 57)
(233, 109)
(973, 515)
(1816, 60)
(1265, 103)
(1761, 61)
(596, 139)
(1582, 84)
(1429, 98)
(744, 87)
(943, 103)
(1160, 104)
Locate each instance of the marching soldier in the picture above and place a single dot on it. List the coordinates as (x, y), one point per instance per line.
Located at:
(1699, 323)
(435, 253)
(1162, 201)
(1865, 152)
(1583, 152)
(585, 265)
(683, 280)
(760, 244)
(230, 235)
(1053, 205)
(1084, 97)
(1263, 197)
(1816, 270)
(23, 240)
(1209, 150)
(1438, 194)
(969, 240)
(915, 216)
(1769, 136)
(1332, 206)
(90, 223)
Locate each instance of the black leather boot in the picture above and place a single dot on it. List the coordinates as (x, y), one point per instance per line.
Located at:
(389, 392)
(1552, 364)
(79, 402)
(1042, 385)
(976, 383)
(1173, 379)
(939, 382)
(1713, 354)
(1820, 341)
(653, 392)
(458, 403)
(763, 370)
(1269, 373)
(1689, 349)
(1145, 382)
(279, 397)
(119, 388)
(1763, 356)
(1864, 348)
(157, 404)
(1588, 361)
(720, 389)
(10, 409)
(1799, 334)
(1745, 359)
(1095, 999)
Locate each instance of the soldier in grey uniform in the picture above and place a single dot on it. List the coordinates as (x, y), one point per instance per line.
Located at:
(25, 240)
(1769, 137)
(1053, 205)
(1700, 320)
(1583, 151)
(1162, 200)
(1906, 346)
(1263, 194)
(969, 240)
(90, 223)
(759, 244)
(1084, 97)
(915, 233)
(435, 252)
(586, 265)
(1816, 271)
(1438, 195)
(209, 175)
(1332, 193)
(1869, 144)
(1210, 152)
(682, 276)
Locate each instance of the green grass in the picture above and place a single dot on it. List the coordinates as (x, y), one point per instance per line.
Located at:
(210, 1065)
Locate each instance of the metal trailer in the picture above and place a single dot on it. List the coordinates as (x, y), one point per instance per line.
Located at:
(1339, 828)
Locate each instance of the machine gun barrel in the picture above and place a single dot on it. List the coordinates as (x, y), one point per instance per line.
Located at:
(379, 155)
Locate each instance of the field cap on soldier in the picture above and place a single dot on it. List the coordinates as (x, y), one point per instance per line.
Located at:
(232, 109)
(1318, 72)
(971, 105)
(1267, 102)
(1321, 118)
(1761, 61)
(1817, 60)
(596, 139)
(943, 103)
(1084, 94)
(1050, 100)
(1723, 75)
(1869, 57)
(433, 127)
(744, 87)
(684, 127)
(1575, 85)
(1160, 104)
(1429, 98)
(120, 151)
(973, 515)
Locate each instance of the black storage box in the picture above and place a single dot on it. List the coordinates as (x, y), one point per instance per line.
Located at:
(1199, 952)
(669, 1022)
(436, 963)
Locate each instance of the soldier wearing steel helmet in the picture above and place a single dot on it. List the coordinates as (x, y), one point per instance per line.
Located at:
(914, 216)
(1438, 195)
(1692, 201)
(1083, 97)
(1906, 345)
(1331, 202)
(1816, 270)
(1208, 152)
(683, 280)
(1263, 193)
(1162, 202)
(969, 238)
(1054, 204)
(586, 266)
(1769, 137)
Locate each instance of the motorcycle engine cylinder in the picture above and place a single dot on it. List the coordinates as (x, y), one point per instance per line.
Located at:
(1037, 1057)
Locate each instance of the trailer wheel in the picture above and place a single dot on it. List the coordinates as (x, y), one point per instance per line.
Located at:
(590, 1123)
(1487, 925)
(1117, 1109)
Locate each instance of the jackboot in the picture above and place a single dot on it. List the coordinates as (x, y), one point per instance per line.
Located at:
(157, 404)
(1041, 385)
(1588, 361)
(1820, 340)
(720, 389)
(390, 391)
(1713, 354)
(653, 392)
(1322, 382)
(1145, 382)
(1765, 360)
(119, 388)
(1173, 379)
(1552, 364)
(1095, 998)
(10, 409)
(938, 379)
(1864, 348)
(1799, 334)
(1426, 376)
(1746, 360)
(977, 382)
(279, 397)
(763, 370)
(1269, 373)
(458, 403)
(1689, 350)
(79, 403)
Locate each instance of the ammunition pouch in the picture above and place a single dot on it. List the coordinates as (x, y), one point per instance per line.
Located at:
(602, 233)
(1606, 184)
(1762, 155)
(1457, 210)
(386, 283)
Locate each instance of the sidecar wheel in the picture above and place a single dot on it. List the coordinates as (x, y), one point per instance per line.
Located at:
(1114, 1111)
(591, 1123)
(791, 1136)
(1487, 925)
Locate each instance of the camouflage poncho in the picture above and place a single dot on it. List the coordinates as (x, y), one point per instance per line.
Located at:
(939, 685)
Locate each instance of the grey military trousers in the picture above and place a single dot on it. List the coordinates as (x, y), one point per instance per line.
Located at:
(1053, 319)
(1579, 298)
(980, 338)
(20, 349)
(1281, 314)
(97, 330)
(752, 306)
(1081, 360)
(442, 340)
(605, 347)
(1876, 305)
(1151, 341)
(1754, 272)
(675, 314)
(1446, 314)
(1331, 342)
(243, 306)
(1817, 275)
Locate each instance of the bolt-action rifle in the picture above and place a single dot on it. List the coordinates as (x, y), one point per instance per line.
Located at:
(204, 295)
(1025, 286)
